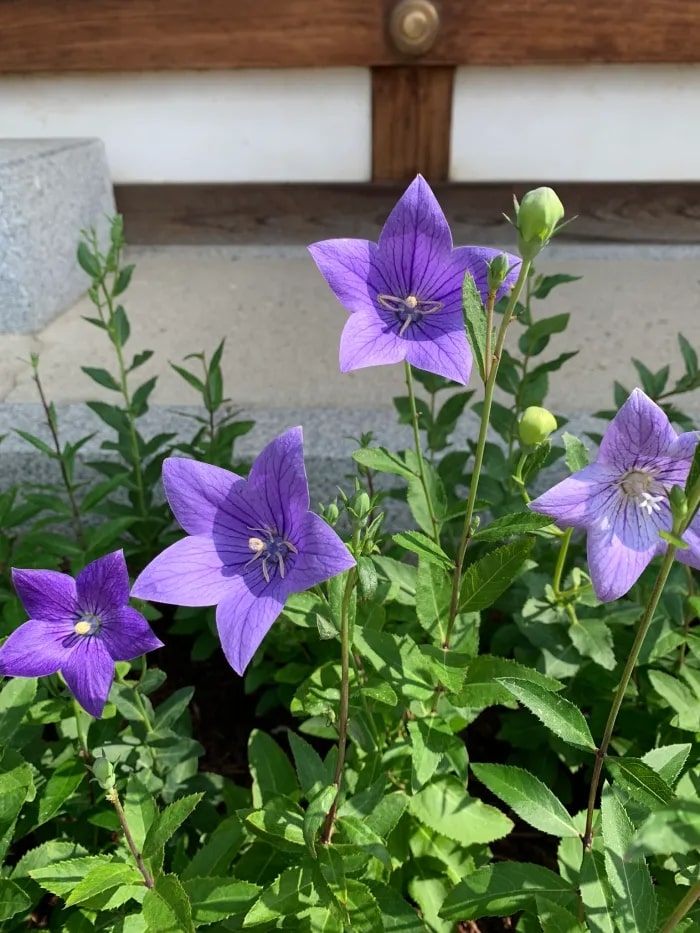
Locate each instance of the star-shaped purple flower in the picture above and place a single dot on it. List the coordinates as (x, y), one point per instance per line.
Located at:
(405, 292)
(78, 627)
(622, 499)
(252, 543)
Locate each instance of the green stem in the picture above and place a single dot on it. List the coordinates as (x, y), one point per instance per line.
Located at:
(419, 453)
(113, 798)
(488, 361)
(561, 560)
(344, 702)
(601, 752)
(481, 445)
(682, 909)
(82, 738)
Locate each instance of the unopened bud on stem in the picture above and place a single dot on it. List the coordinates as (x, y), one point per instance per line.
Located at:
(536, 425)
(498, 270)
(536, 219)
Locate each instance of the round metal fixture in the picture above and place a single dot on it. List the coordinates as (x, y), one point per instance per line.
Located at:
(413, 26)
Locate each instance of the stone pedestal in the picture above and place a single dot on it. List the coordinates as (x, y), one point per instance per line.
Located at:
(50, 190)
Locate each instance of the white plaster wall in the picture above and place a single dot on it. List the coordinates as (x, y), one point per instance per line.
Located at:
(234, 126)
(577, 123)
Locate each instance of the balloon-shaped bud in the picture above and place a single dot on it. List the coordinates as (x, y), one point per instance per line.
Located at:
(104, 773)
(497, 271)
(537, 216)
(536, 425)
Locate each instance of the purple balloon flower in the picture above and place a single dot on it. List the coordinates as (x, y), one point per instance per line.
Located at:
(405, 292)
(252, 543)
(622, 499)
(78, 627)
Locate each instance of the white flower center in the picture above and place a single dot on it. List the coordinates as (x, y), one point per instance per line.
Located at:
(88, 624)
(643, 488)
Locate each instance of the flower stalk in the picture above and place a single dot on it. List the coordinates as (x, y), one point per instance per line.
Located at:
(113, 797)
(682, 908)
(492, 366)
(419, 454)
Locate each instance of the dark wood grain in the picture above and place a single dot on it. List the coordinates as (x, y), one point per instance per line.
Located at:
(123, 35)
(300, 214)
(411, 122)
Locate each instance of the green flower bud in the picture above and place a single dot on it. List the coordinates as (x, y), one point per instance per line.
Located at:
(498, 270)
(331, 513)
(360, 504)
(104, 773)
(536, 425)
(679, 503)
(536, 219)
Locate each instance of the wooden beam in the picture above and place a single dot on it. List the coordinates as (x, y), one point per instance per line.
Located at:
(411, 122)
(123, 35)
(299, 214)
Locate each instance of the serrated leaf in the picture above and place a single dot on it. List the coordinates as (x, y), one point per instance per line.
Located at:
(398, 916)
(445, 807)
(360, 907)
(503, 888)
(482, 686)
(316, 814)
(166, 823)
(433, 591)
(140, 809)
(424, 547)
(430, 893)
(381, 460)
(557, 714)
(476, 321)
(668, 760)
(280, 823)
(576, 455)
(166, 907)
(672, 829)
(215, 899)
(291, 892)
(486, 579)
(556, 919)
(216, 854)
(593, 639)
(527, 796)
(595, 893)
(61, 877)
(311, 770)
(63, 782)
(270, 768)
(103, 878)
(509, 525)
(634, 900)
(359, 834)
(679, 698)
(46, 854)
(13, 899)
(16, 698)
(639, 780)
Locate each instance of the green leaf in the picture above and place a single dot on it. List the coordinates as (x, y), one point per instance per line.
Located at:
(61, 877)
(112, 416)
(102, 377)
(639, 780)
(527, 796)
(361, 908)
(16, 787)
(679, 698)
(103, 878)
(215, 899)
(60, 786)
(88, 262)
(668, 760)
(16, 698)
(557, 714)
(424, 546)
(595, 893)
(166, 907)
(140, 809)
(37, 443)
(167, 822)
(398, 916)
(270, 768)
(503, 888)
(122, 281)
(546, 283)
(316, 814)
(289, 894)
(670, 830)
(280, 823)
(428, 746)
(445, 807)
(508, 525)
(593, 639)
(576, 455)
(218, 851)
(482, 686)
(476, 321)
(433, 591)
(46, 854)
(485, 580)
(556, 919)
(416, 497)
(380, 460)
(311, 771)
(170, 711)
(429, 894)
(694, 472)
(139, 359)
(634, 900)
(359, 834)
(13, 900)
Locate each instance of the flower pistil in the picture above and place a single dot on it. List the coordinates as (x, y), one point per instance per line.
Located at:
(273, 548)
(409, 310)
(642, 487)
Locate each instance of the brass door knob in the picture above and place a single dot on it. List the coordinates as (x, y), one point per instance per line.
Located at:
(413, 26)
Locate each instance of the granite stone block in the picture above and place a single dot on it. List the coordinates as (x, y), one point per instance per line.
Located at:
(50, 190)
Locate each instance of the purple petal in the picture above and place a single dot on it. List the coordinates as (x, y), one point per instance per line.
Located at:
(279, 475)
(415, 237)
(580, 499)
(243, 619)
(639, 432)
(347, 265)
(622, 545)
(190, 572)
(88, 671)
(367, 341)
(683, 448)
(126, 634)
(476, 260)
(196, 492)
(35, 649)
(321, 555)
(444, 352)
(46, 594)
(104, 584)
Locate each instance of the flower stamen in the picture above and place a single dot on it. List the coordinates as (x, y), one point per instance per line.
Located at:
(409, 310)
(272, 549)
(88, 624)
